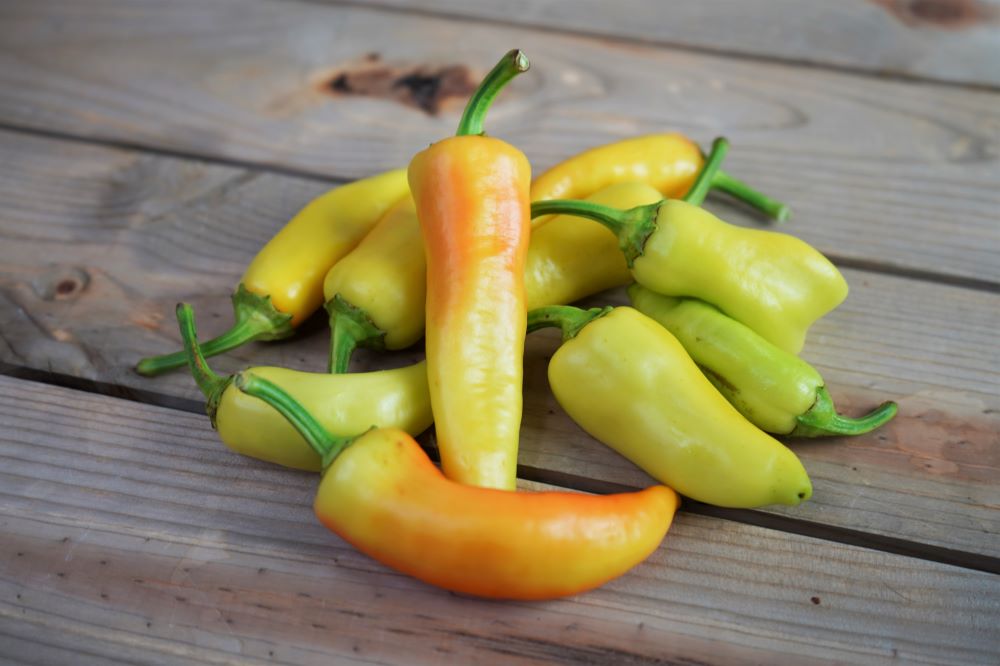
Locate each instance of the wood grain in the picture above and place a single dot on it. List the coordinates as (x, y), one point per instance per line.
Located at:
(130, 533)
(127, 235)
(947, 40)
(885, 173)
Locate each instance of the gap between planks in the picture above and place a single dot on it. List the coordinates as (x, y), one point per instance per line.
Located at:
(868, 266)
(777, 522)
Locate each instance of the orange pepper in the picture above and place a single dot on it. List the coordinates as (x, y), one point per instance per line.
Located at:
(471, 195)
(381, 493)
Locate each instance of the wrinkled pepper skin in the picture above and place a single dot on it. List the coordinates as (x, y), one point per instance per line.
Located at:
(776, 284)
(291, 267)
(776, 391)
(625, 380)
(385, 497)
(571, 258)
(343, 404)
(385, 276)
(471, 194)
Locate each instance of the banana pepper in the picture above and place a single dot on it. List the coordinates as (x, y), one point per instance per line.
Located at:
(382, 494)
(777, 391)
(471, 195)
(629, 383)
(283, 285)
(375, 295)
(344, 404)
(776, 284)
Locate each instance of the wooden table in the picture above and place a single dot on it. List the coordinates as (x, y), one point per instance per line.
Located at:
(149, 148)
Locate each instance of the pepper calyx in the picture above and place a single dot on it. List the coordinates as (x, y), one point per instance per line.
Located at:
(350, 327)
(569, 319)
(259, 316)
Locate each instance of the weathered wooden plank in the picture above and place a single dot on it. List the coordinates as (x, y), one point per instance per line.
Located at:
(885, 172)
(947, 40)
(128, 235)
(130, 533)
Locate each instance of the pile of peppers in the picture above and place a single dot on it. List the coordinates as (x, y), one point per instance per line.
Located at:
(463, 249)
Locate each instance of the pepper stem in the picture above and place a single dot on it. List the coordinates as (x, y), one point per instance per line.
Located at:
(211, 384)
(632, 226)
(322, 442)
(706, 177)
(256, 319)
(566, 317)
(823, 420)
(736, 188)
(350, 328)
(513, 63)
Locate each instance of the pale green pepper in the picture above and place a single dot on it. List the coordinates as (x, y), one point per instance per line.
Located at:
(777, 391)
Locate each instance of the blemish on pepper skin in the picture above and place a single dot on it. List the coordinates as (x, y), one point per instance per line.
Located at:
(424, 87)
(943, 14)
(815, 600)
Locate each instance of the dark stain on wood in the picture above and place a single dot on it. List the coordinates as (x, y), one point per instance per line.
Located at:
(815, 600)
(424, 87)
(944, 14)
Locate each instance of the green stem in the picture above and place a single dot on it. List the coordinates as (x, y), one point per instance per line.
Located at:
(632, 226)
(256, 319)
(211, 384)
(322, 442)
(822, 419)
(350, 328)
(512, 64)
(569, 319)
(706, 178)
(734, 187)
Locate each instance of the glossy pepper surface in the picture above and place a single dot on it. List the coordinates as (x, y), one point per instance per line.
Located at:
(283, 285)
(775, 390)
(382, 494)
(471, 193)
(376, 294)
(628, 382)
(774, 283)
(344, 404)
(668, 162)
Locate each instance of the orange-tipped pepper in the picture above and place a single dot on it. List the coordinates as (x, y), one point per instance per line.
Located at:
(382, 494)
(471, 194)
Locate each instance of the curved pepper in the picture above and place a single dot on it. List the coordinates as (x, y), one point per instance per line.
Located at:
(776, 284)
(471, 193)
(345, 404)
(382, 494)
(375, 295)
(777, 391)
(625, 380)
(283, 285)
(668, 162)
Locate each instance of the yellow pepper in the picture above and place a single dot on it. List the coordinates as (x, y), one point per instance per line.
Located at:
(344, 404)
(283, 285)
(628, 382)
(776, 284)
(668, 162)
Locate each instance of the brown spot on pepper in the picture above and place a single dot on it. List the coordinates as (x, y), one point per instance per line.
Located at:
(427, 88)
(943, 14)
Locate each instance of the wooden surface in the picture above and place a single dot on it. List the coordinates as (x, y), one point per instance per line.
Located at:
(150, 148)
